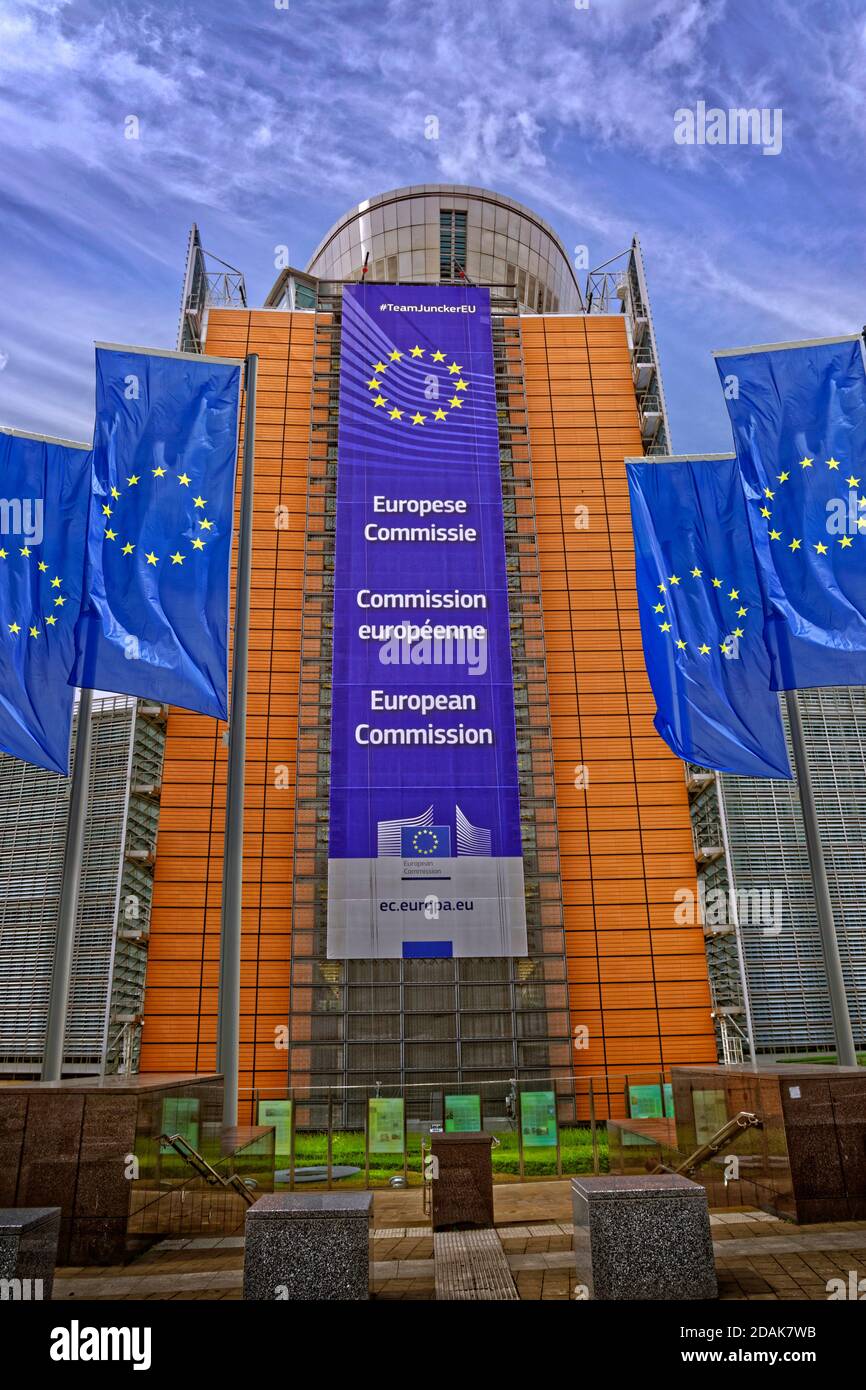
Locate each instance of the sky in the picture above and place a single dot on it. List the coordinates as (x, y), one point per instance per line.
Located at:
(264, 120)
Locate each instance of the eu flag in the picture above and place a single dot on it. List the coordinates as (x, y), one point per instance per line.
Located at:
(155, 617)
(701, 616)
(43, 522)
(425, 841)
(798, 414)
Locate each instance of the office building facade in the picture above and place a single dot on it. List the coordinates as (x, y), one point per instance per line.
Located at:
(611, 982)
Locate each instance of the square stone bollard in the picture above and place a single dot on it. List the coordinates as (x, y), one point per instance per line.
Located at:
(643, 1238)
(463, 1190)
(309, 1246)
(28, 1252)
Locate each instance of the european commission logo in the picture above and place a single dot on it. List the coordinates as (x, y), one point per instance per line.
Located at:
(425, 842)
(396, 385)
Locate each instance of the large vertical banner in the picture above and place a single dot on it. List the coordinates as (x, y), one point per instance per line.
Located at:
(424, 850)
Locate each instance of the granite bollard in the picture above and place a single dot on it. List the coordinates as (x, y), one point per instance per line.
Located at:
(643, 1238)
(308, 1246)
(28, 1252)
(463, 1190)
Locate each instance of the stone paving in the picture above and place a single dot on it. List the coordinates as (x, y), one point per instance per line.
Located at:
(757, 1256)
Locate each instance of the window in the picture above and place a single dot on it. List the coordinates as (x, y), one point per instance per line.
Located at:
(452, 244)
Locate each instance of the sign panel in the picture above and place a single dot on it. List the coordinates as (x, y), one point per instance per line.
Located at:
(645, 1102)
(538, 1119)
(180, 1115)
(278, 1113)
(462, 1114)
(424, 849)
(385, 1126)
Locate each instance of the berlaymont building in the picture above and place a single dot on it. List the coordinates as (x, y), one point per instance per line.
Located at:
(621, 978)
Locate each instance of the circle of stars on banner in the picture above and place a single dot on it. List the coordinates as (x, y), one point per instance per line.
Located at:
(452, 376)
(40, 624)
(128, 547)
(795, 543)
(663, 610)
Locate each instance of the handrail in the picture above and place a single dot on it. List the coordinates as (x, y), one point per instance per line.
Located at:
(742, 1121)
(184, 1149)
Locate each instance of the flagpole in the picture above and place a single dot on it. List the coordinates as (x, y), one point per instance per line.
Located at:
(845, 1052)
(228, 1021)
(70, 887)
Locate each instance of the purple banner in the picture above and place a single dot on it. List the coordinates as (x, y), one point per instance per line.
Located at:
(425, 853)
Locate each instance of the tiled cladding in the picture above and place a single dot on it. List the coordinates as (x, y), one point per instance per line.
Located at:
(638, 979)
(401, 230)
(180, 1006)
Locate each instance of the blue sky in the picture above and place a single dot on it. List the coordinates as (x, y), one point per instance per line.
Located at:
(264, 120)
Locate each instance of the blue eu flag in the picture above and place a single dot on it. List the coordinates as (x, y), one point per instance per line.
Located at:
(43, 521)
(798, 414)
(155, 617)
(425, 841)
(701, 616)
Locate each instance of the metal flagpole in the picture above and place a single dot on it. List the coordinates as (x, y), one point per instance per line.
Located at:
(845, 1053)
(70, 885)
(228, 1022)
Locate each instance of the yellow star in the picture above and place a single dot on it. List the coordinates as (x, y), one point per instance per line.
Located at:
(717, 583)
(765, 512)
(456, 402)
(55, 583)
(42, 565)
(821, 548)
(775, 535)
(177, 558)
(110, 535)
(151, 558)
(438, 356)
(674, 578)
(380, 367)
(852, 481)
(183, 479)
(738, 632)
(14, 629)
(741, 612)
(198, 543)
(115, 494)
(662, 587)
(665, 627)
(696, 573)
(845, 541)
(380, 400)
(440, 414)
(783, 477)
(59, 601)
(50, 620)
(461, 385)
(769, 493)
(374, 383)
(25, 549)
(205, 524)
(795, 544)
(395, 355)
(396, 414)
(658, 608)
(131, 482)
(805, 462)
(3, 554)
(861, 502)
(704, 649)
(681, 644)
(724, 647)
(128, 548)
(861, 521)
(454, 370)
(417, 418)
(833, 464)
(417, 352)
(106, 510)
(158, 472)
(735, 593)
(199, 502)
(34, 632)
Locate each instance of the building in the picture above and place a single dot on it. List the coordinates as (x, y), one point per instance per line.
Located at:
(763, 944)
(612, 984)
(110, 951)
